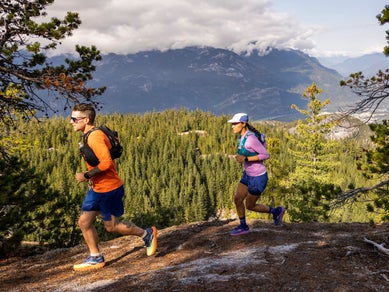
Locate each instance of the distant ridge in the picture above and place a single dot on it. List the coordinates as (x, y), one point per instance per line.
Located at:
(216, 80)
(369, 64)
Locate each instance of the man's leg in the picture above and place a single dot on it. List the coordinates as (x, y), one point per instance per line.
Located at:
(114, 225)
(86, 223)
(148, 235)
(95, 260)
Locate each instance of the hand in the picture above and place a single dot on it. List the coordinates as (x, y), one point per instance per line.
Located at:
(239, 158)
(80, 177)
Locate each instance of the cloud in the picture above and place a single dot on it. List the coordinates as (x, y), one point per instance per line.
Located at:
(122, 26)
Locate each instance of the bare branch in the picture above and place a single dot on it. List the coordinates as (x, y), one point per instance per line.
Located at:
(350, 194)
(378, 246)
(373, 91)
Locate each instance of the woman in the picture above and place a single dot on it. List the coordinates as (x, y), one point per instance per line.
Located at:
(252, 153)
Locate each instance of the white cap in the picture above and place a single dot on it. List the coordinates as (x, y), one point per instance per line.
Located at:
(239, 118)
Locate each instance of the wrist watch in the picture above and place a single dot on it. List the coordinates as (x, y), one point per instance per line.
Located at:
(246, 159)
(86, 175)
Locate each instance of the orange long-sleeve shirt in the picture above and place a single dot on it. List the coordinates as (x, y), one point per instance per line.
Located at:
(108, 179)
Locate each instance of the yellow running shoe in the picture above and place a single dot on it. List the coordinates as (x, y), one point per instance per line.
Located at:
(90, 263)
(151, 240)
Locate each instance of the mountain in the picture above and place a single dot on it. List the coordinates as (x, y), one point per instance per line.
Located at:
(369, 64)
(202, 256)
(216, 80)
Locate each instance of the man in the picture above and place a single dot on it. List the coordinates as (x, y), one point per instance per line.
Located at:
(105, 194)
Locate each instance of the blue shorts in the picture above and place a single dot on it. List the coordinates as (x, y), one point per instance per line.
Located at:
(256, 184)
(109, 203)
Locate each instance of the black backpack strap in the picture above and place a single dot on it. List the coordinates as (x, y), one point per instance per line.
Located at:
(86, 152)
(86, 135)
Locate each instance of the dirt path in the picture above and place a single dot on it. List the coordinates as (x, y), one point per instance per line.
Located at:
(204, 257)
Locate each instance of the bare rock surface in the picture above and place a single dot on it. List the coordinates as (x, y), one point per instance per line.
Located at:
(203, 256)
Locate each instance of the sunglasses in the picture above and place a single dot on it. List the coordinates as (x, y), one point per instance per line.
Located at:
(75, 120)
(234, 124)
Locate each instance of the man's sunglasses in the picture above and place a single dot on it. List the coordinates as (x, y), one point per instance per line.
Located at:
(75, 120)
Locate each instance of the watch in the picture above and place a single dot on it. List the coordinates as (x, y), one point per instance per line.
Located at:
(246, 159)
(86, 175)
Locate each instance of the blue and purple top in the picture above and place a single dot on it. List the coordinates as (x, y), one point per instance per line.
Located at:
(249, 145)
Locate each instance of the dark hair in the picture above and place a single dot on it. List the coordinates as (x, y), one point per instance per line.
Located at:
(252, 129)
(87, 109)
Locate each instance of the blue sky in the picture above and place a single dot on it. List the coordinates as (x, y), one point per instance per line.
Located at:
(342, 27)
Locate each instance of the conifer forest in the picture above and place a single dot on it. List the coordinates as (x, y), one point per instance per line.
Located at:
(178, 166)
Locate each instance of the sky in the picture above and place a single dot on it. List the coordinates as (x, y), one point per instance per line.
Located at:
(319, 28)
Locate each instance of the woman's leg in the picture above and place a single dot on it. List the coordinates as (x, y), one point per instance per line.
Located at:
(240, 195)
(251, 204)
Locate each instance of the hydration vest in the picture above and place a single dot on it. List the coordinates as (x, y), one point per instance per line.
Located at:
(241, 142)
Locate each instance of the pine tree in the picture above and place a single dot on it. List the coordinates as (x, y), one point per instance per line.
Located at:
(313, 158)
(377, 166)
(26, 40)
(23, 195)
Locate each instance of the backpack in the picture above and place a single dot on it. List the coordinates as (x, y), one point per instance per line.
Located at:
(262, 138)
(115, 151)
(243, 151)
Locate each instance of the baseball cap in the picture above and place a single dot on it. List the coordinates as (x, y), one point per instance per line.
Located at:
(239, 118)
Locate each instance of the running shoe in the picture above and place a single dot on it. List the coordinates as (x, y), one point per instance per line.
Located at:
(90, 263)
(278, 214)
(151, 240)
(240, 230)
